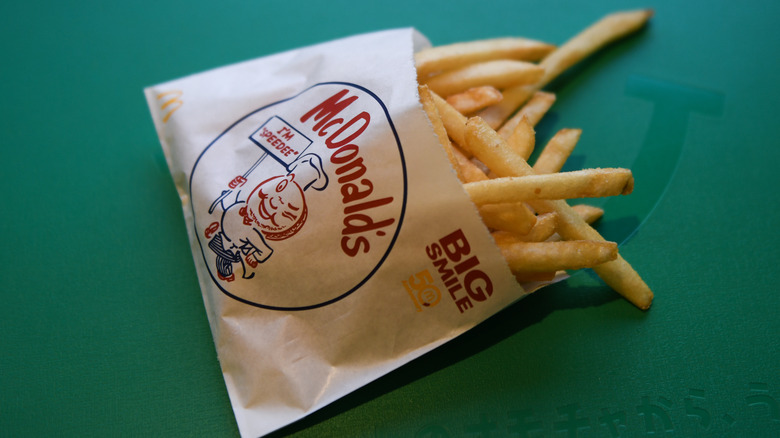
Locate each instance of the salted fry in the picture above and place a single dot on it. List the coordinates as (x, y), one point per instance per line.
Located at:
(452, 56)
(482, 166)
(490, 148)
(557, 151)
(610, 28)
(514, 217)
(454, 122)
(556, 256)
(588, 183)
(523, 139)
(483, 142)
(532, 112)
(588, 213)
(499, 74)
(542, 230)
(474, 99)
(438, 128)
(469, 171)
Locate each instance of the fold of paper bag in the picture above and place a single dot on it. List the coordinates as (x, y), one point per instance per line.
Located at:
(332, 240)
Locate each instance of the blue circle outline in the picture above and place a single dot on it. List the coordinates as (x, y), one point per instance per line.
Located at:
(392, 241)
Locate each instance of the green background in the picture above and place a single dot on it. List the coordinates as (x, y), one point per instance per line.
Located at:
(103, 327)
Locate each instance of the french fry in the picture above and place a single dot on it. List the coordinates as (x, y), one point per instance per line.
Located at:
(557, 151)
(556, 256)
(588, 213)
(500, 73)
(514, 217)
(469, 171)
(454, 122)
(474, 99)
(523, 139)
(588, 183)
(490, 148)
(610, 28)
(482, 166)
(438, 128)
(532, 111)
(543, 229)
(452, 56)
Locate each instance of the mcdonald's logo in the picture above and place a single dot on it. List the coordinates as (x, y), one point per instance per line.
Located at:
(170, 103)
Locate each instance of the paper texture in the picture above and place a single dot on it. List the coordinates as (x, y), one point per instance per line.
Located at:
(332, 240)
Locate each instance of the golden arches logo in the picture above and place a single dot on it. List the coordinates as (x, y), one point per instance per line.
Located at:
(171, 102)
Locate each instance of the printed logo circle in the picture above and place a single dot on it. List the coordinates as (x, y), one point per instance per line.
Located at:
(297, 204)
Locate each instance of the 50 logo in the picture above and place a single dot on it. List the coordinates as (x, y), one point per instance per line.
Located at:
(422, 290)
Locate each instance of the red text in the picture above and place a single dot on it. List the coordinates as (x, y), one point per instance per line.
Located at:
(356, 189)
(457, 268)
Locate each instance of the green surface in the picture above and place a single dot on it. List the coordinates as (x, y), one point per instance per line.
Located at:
(104, 330)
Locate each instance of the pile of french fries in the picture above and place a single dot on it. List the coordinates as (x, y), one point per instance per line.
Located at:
(483, 99)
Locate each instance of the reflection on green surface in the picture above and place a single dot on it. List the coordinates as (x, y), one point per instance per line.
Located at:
(660, 151)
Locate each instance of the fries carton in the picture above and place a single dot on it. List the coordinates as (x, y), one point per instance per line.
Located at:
(332, 239)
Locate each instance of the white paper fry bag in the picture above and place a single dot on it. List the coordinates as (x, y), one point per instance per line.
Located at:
(332, 239)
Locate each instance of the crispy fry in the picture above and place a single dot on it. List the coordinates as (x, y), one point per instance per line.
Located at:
(488, 146)
(532, 111)
(438, 128)
(514, 217)
(482, 166)
(452, 56)
(469, 171)
(555, 256)
(557, 151)
(610, 28)
(500, 74)
(454, 122)
(588, 183)
(543, 229)
(523, 139)
(474, 99)
(588, 213)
